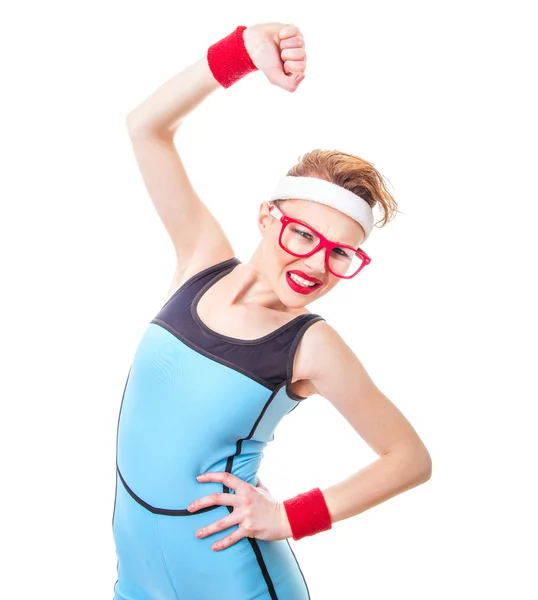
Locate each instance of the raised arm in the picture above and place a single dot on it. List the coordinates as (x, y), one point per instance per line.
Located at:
(152, 128)
(199, 240)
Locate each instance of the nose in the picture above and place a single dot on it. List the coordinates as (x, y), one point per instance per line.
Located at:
(316, 262)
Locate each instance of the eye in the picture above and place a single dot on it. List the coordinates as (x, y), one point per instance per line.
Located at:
(341, 252)
(304, 234)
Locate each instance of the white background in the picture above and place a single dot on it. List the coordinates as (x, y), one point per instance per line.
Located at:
(441, 98)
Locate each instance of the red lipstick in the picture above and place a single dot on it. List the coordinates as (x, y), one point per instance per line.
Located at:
(300, 288)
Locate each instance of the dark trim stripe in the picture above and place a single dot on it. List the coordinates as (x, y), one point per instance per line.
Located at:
(299, 567)
(263, 567)
(252, 541)
(286, 384)
(229, 465)
(117, 431)
(163, 511)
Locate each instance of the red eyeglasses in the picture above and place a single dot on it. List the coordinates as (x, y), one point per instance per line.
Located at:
(299, 239)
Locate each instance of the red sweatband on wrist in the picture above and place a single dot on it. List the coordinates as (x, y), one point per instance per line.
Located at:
(229, 60)
(308, 514)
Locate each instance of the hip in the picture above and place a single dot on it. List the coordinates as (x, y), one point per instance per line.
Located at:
(159, 556)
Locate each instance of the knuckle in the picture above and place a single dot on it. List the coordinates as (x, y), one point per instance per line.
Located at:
(295, 29)
(289, 30)
(293, 54)
(294, 66)
(292, 43)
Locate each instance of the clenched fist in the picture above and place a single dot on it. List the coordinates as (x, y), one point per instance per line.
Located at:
(277, 49)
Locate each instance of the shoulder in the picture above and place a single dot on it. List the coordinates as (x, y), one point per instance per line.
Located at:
(321, 348)
(187, 274)
(321, 332)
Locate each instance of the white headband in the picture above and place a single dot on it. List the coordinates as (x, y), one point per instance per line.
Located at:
(326, 192)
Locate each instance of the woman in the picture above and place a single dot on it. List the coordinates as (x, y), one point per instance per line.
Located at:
(234, 349)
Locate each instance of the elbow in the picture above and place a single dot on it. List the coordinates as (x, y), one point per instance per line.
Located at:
(419, 464)
(134, 128)
(425, 468)
(421, 461)
(427, 473)
(415, 465)
(138, 126)
(134, 125)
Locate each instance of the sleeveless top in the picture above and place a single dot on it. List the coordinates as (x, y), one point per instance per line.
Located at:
(197, 401)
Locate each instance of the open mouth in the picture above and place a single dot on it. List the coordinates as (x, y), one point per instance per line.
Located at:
(298, 285)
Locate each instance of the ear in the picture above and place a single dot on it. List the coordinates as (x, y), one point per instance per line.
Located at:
(264, 217)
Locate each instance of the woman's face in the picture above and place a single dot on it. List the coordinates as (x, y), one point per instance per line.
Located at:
(328, 221)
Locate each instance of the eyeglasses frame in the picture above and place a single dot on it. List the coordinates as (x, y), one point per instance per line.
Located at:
(324, 243)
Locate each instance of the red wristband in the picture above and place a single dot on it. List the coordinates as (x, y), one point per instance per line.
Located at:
(308, 514)
(229, 60)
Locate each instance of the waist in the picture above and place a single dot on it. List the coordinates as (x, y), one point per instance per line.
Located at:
(168, 488)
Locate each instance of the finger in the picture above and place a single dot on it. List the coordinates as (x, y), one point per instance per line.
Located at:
(213, 499)
(219, 525)
(293, 54)
(231, 481)
(294, 66)
(288, 31)
(229, 540)
(277, 77)
(294, 42)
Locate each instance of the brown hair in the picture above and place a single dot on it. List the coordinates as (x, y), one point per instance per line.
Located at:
(351, 172)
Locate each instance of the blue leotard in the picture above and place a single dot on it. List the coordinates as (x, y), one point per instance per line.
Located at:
(197, 401)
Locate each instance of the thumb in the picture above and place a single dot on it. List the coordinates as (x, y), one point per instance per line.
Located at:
(289, 82)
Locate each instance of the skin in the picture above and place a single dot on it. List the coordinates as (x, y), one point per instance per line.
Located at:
(270, 257)
(336, 374)
(262, 282)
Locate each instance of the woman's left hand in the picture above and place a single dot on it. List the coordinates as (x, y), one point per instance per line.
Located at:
(256, 512)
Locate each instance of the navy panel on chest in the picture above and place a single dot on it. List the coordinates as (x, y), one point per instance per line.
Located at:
(266, 359)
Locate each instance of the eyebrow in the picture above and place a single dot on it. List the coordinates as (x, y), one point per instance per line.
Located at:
(341, 243)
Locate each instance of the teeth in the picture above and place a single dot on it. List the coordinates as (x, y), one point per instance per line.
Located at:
(301, 281)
